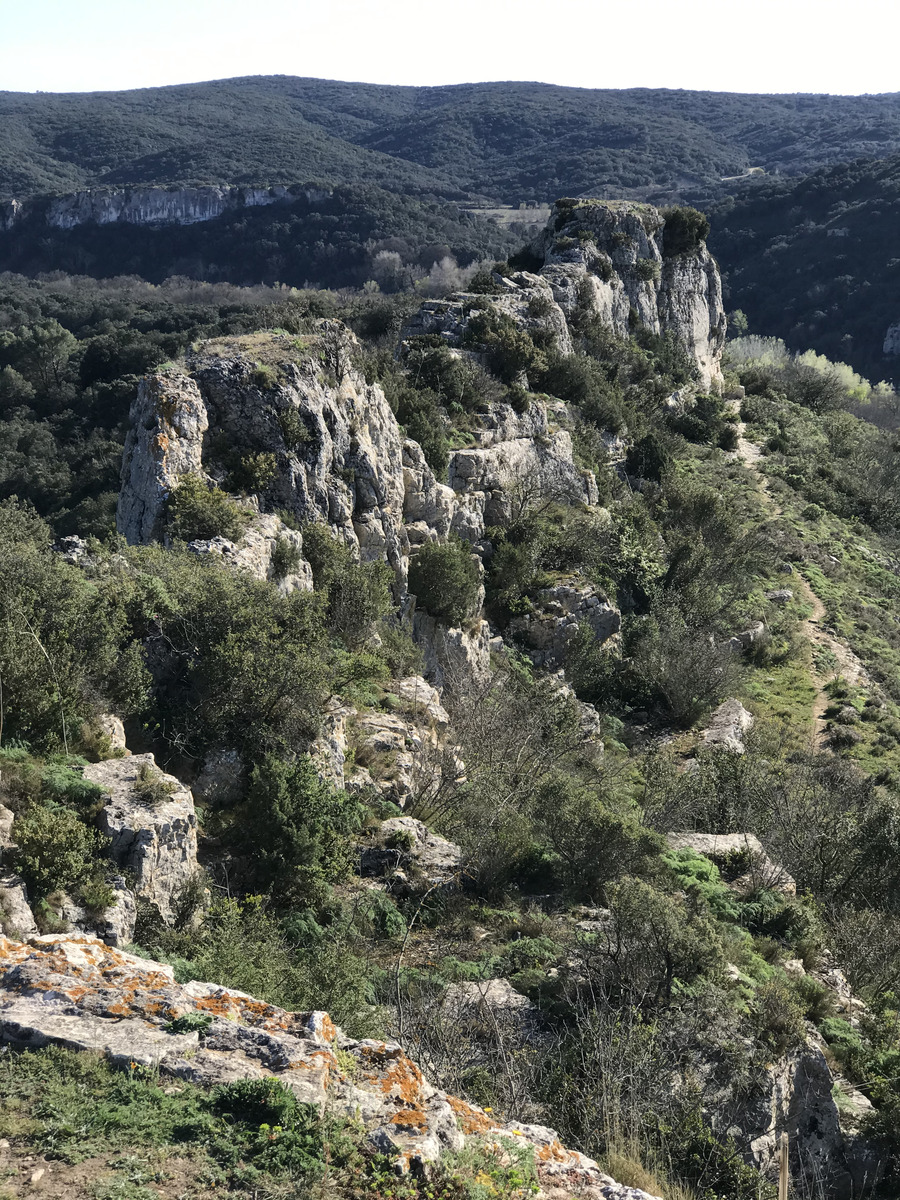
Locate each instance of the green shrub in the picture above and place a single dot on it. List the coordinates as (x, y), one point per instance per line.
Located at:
(151, 787)
(199, 512)
(54, 849)
(256, 1100)
(253, 472)
(685, 228)
(779, 1016)
(647, 269)
(286, 558)
(445, 580)
(298, 827)
(294, 429)
(264, 377)
(190, 1022)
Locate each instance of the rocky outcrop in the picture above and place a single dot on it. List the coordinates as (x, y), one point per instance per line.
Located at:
(79, 993)
(526, 298)
(611, 259)
(795, 1096)
(147, 205)
(891, 346)
(727, 727)
(405, 845)
(256, 552)
(164, 442)
(555, 621)
(16, 917)
(149, 817)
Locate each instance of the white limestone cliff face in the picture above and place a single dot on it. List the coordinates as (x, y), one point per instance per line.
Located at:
(147, 205)
(154, 839)
(340, 456)
(609, 258)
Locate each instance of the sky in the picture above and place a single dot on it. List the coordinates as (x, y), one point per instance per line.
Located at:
(765, 46)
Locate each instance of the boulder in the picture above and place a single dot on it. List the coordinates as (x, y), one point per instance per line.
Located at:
(78, 992)
(727, 727)
(16, 916)
(154, 840)
(407, 845)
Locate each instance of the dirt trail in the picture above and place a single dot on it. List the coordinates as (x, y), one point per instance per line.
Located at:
(814, 628)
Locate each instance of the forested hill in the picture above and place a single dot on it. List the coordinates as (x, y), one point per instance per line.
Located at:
(817, 261)
(503, 141)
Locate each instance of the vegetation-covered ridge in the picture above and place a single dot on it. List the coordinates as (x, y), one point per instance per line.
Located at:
(816, 261)
(518, 878)
(502, 141)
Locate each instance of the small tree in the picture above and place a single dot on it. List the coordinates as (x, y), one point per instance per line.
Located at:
(446, 581)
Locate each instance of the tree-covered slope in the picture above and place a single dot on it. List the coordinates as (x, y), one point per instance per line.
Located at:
(509, 141)
(817, 262)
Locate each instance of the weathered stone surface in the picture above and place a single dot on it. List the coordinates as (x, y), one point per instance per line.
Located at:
(80, 993)
(727, 727)
(455, 658)
(780, 596)
(405, 843)
(254, 552)
(892, 341)
(113, 729)
(762, 872)
(165, 440)
(157, 842)
(222, 778)
(114, 925)
(595, 257)
(6, 823)
(549, 629)
(422, 702)
(495, 996)
(527, 298)
(510, 473)
(796, 1098)
(16, 916)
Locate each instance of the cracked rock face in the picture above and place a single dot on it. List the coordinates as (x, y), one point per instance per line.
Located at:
(609, 258)
(80, 993)
(155, 840)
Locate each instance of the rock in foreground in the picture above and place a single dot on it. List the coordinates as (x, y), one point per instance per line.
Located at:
(80, 993)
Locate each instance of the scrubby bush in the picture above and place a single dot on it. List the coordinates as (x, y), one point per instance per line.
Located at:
(286, 558)
(685, 228)
(55, 850)
(445, 580)
(198, 511)
(254, 471)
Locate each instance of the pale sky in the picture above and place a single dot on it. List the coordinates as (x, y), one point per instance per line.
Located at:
(766, 46)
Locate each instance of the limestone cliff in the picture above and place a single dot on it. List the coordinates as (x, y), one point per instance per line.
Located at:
(612, 259)
(146, 205)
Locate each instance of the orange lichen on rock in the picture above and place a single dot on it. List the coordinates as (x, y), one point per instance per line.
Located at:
(410, 1118)
(470, 1119)
(553, 1152)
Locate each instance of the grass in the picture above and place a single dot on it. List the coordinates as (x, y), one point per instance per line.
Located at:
(106, 1134)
